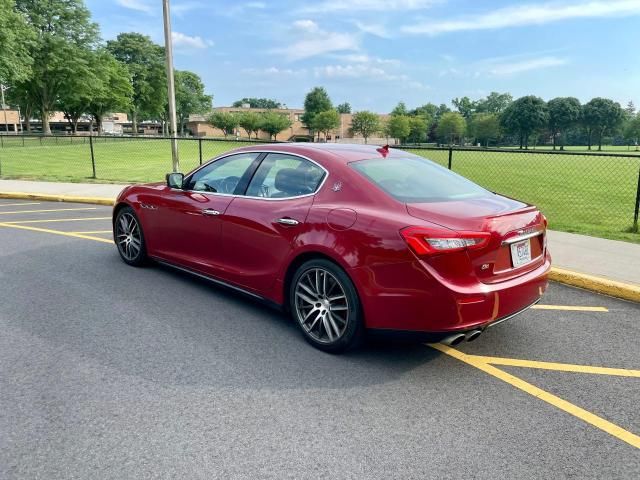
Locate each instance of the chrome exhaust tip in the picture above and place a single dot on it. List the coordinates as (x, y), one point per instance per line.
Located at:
(454, 339)
(472, 335)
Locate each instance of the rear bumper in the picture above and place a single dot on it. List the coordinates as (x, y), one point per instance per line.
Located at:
(407, 298)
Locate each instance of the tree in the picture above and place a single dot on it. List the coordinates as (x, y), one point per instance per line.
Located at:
(632, 131)
(225, 121)
(630, 109)
(398, 127)
(326, 121)
(145, 63)
(429, 110)
(494, 103)
(76, 92)
(257, 103)
(365, 123)
(316, 101)
(418, 126)
(601, 116)
(273, 123)
(190, 97)
(485, 127)
(400, 109)
(465, 106)
(564, 113)
(451, 126)
(113, 91)
(344, 108)
(64, 32)
(16, 38)
(250, 122)
(525, 116)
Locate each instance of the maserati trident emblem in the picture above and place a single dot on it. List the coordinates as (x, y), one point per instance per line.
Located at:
(337, 187)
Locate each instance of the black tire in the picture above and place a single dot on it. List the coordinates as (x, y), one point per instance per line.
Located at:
(329, 323)
(129, 237)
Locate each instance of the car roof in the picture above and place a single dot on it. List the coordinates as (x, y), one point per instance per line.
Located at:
(344, 152)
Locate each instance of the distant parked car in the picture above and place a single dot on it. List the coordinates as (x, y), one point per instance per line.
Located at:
(347, 238)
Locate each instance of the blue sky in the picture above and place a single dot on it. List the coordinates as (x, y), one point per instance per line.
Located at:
(375, 53)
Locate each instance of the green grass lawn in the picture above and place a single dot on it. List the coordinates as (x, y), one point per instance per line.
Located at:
(578, 193)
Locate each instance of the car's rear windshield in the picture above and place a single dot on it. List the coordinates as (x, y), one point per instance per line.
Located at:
(417, 180)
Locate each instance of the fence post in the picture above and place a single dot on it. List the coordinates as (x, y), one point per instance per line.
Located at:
(200, 150)
(93, 158)
(2, 141)
(450, 156)
(635, 215)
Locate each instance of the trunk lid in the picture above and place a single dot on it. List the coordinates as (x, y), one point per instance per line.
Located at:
(511, 223)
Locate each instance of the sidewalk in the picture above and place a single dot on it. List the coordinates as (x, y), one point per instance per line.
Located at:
(607, 259)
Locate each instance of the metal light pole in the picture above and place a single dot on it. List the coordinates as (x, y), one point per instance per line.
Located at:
(171, 84)
(4, 108)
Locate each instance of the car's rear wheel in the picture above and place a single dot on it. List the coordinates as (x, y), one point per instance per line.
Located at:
(325, 305)
(129, 237)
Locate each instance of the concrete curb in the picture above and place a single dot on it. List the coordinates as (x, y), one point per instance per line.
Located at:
(605, 286)
(626, 291)
(57, 198)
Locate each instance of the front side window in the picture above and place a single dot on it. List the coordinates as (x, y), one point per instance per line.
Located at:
(415, 180)
(285, 176)
(223, 175)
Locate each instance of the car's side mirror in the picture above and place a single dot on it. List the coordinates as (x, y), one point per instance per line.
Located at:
(175, 180)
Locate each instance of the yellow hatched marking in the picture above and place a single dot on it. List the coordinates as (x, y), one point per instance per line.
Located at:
(56, 232)
(18, 204)
(48, 210)
(568, 407)
(571, 308)
(19, 222)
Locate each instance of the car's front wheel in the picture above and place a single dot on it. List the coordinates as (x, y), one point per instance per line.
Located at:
(325, 305)
(129, 238)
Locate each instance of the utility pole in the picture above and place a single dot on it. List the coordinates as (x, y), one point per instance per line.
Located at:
(168, 49)
(4, 108)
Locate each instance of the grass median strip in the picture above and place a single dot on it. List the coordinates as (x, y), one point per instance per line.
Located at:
(483, 363)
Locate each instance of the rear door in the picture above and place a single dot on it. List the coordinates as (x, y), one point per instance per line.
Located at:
(260, 228)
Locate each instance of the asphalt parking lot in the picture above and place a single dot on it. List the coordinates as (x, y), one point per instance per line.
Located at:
(108, 371)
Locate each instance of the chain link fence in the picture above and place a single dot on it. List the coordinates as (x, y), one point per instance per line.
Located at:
(591, 193)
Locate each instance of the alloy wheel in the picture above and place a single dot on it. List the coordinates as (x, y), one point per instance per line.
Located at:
(128, 236)
(321, 305)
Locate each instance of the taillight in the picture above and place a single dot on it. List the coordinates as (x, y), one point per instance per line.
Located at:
(428, 241)
(546, 222)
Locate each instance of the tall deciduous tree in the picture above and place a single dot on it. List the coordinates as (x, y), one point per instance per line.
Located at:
(344, 108)
(400, 109)
(365, 123)
(145, 63)
(273, 123)
(632, 131)
(564, 113)
(485, 127)
(16, 38)
(601, 116)
(225, 121)
(257, 103)
(418, 127)
(326, 121)
(316, 101)
(494, 103)
(525, 116)
(465, 106)
(398, 127)
(190, 97)
(451, 127)
(250, 122)
(64, 32)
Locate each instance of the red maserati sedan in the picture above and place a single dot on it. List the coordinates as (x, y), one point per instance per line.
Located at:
(347, 238)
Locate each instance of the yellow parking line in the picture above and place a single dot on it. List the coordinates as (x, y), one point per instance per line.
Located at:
(561, 367)
(19, 222)
(584, 415)
(18, 204)
(48, 210)
(571, 308)
(57, 232)
(94, 231)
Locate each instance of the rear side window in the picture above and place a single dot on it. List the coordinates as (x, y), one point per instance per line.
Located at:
(416, 180)
(285, 176)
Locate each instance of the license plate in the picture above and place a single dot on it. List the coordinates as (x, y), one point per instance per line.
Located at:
(521, 253)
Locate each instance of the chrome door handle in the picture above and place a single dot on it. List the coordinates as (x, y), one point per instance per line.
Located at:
(210, 211)
(288, 221)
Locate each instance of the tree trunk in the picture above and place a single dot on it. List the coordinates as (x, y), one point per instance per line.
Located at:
(134, 122)
(589, 133)
(46, 128)
(554, 140)
(75, 125)
(99, 124)
(27, 123)
(600, 141)
(521, 141)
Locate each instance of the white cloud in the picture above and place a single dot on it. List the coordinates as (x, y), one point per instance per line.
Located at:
(366, 72)
(363, 58)
(179, 9)
(511, 68)
(275, 72)
(139, 5)
(528, 14)
(329, 6)
(322, 42)
(306, 25)
(375, 29)
(181, 40)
